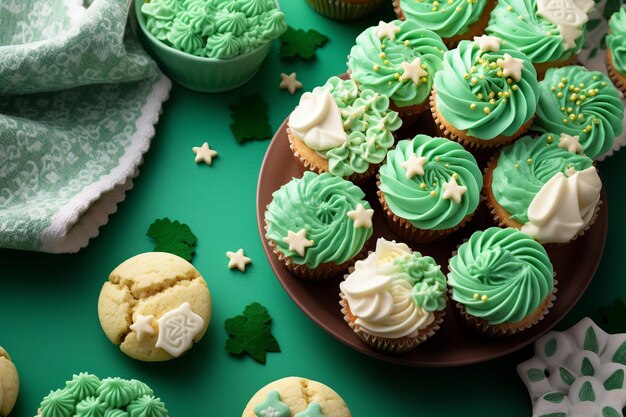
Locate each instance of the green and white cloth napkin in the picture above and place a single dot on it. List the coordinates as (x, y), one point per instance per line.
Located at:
(78, 102)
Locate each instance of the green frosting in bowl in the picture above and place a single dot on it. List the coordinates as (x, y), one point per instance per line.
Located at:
(320, 205)
(83, 385)
(445, 18)
(524, 167)
(486, 88)
(59, 403)
(501, 275)
(533, 34)
(400, 64)
(579, 102)
(616, 39)
(420, 196)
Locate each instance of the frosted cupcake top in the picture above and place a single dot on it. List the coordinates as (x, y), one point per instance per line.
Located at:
(616, 39)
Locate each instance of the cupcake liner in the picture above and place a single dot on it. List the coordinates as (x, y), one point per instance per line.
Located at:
(409, 114)
(406, 230)
(396, 346)
(309, 160)
(542, 67)
(345, 9)
(471, 143)
(618, 79)
(322, 272)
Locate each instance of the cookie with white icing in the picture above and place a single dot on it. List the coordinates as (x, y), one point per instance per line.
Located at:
(155, 306)
(296, 397)
(9, 383)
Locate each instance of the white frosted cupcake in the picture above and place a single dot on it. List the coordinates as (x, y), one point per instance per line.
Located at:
(395, 298)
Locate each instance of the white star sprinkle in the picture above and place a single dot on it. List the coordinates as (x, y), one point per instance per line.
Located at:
(488, 43)
(142, 326)
(204, 153)
(386, 30)
(414, 165)
(362, 217)
(453, 191)
(511, 67)
(297, 241)
(289, 83)
(571, 143)
(413, 71)
(238, 260)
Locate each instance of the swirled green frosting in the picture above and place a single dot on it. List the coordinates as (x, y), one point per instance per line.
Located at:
(419, 199)
(83, 385)
(445, 18)
(524, 167)
(90, 407)
(368, 123)
(501, 275)
(212, 28)
(377, 63)
(141, 388)
(319, 204)
(582, 103)
(146, 406)
(537, 37)
(116, 392)
(59, 403)
(429, 283)
(616, 39)
(473, 93)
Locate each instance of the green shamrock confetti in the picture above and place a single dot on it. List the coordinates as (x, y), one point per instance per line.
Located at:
(249, 117)
(251, 333)
(298, 42)
(614, 317)
(173, 237)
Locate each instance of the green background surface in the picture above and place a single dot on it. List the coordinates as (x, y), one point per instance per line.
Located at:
(48, 303)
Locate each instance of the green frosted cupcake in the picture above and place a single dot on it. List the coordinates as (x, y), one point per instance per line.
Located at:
(398, 59)
(540, 32)
(486, 94)
(545, 187)
(345, 9)
(86, 395)
(428, 188)
(583, 103)
(318, 224)
(616, 49)
(338, 129)
(453, 20)
(502, 281)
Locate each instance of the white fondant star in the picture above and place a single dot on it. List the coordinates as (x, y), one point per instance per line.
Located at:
(142, 326)
(414, 165)
(571, 143)
(362, 217)
(297, 241)
(387, 30)
(453, 191)
(488, 43)
(289, 83)
(413, 71)
(238, 260)
(511, 67)
(204, 153)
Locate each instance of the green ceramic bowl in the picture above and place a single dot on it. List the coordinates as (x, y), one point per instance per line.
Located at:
(206, 75)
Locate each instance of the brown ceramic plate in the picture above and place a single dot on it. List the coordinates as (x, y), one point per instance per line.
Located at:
(574, 263)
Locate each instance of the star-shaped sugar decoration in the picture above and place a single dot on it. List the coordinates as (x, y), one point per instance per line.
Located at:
(289, 82)
(297, 241)
(453, 191)
(238, 260)
(511, 67)
(413, 70)
(361, 216)
(488, 43)
(414, 165)
(386, 30)
(571, 143)
(204, 153)
(142, 326)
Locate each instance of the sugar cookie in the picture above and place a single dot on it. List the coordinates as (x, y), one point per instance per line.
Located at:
(9, 383)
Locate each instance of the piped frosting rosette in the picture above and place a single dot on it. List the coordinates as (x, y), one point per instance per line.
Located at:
(502, 281)
(395, 298)
(583, 103)
(318, 224)
(544, 186)
(340, 130)
(486, 94)
(397, 59)
(429, 187)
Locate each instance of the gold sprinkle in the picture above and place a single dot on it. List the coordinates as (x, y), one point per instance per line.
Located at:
(479, 96)
(466, 76)
(455, 176)
(383, 55)
(486, 110)
(458, 9)
(549, 33)
(484, 298)
(561, 85)
(474, 80)
(437, 159)
(520, 17)
(514, 88)
(510, 8)
(549, 139)
(492, 101)
(564, 80)
(559, 95)
(569, 110)
(423, 185)
(433, 193)
(424, 80)
(407, 43)
(386, 62)
(581, 85)
(376, 67)
(564, 121)
(572, 117)
(476, 296)
(473, 106)
(529, 161)
(516, 165)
